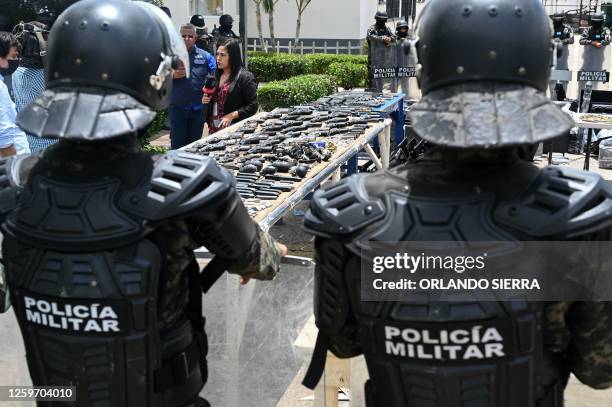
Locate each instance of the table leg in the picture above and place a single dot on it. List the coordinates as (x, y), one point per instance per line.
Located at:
(588, 149)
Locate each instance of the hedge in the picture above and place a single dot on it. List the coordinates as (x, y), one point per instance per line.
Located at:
(269, 67)
(295, 91)
(320, 63)
(349, 75)
(276, 67)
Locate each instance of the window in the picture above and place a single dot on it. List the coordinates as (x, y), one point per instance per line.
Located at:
(401, 8)
(207, 7)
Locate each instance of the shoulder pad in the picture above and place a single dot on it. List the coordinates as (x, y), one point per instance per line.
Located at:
(562, 203)
(182, 183)
(342, 208)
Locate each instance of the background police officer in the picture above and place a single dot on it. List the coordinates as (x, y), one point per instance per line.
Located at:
(595, 39)
(204, 40)
(110, 298)
(479, 109)
(404, 59)
(379, 38)
(224, 30)
(596, 34)
(565, 34)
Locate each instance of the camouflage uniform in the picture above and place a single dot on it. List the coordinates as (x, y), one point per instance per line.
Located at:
(579, 332)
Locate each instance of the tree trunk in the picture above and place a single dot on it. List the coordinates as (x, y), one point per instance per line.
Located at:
(258, 22)
(271, 24)
(298, 26)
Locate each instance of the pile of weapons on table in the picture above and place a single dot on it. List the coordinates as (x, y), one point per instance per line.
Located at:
(269, 155)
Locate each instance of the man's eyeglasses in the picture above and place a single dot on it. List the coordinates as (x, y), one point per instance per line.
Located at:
(188, 36)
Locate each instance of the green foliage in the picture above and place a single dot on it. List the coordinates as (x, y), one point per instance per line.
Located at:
(154, 149)
(319, 63)
(256, 54)
(269, 67)
(155, 127)
(295, 91)
(348, 74)
(276, 67)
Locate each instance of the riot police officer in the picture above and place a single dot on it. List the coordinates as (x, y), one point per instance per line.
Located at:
(204, 40)
(401, 29)
(596, 34)
(565, 34)
(595, 39)
(403, 58)
(110, 299)
(478, 109)
(380, 53)
(224, 30)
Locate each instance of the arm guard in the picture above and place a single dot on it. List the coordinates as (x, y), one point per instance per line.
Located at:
(196, 188)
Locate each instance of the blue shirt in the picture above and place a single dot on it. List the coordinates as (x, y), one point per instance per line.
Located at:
(187, 92)
(10, 133)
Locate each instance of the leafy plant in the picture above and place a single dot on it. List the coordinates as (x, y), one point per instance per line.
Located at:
(276, 67)
(155, 127)
(295, 91)
(348, 74)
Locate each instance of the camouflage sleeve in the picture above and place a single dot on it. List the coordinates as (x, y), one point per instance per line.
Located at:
(570, 35)
(262, 261)
(584, 39)
(373, 36)
(582, 330)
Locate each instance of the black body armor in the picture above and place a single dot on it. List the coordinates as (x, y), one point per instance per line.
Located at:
(498, 355)
(86, 262)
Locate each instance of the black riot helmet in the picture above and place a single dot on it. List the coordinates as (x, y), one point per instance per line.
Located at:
(46, 16)
(596, 21)
(226, 20)
(558, 17)
(198, 21)
(489, 90)
(401, 29)
(481, 30)
(97, 89)
(381, 18)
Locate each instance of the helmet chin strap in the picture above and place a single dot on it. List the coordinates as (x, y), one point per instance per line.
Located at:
(168, 62)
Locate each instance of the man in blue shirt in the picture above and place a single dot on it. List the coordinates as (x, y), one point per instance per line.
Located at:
(186, 110)
(12, 138)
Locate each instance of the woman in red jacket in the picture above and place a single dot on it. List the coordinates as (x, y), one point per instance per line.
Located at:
(235, 94)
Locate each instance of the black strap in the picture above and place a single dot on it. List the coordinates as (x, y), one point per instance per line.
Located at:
(317, 362)
(212, 272)
(175, 371)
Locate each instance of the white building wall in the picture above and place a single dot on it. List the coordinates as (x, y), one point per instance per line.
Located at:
(339, 19)
(181, 13)
(335, 19)
(366, 15)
